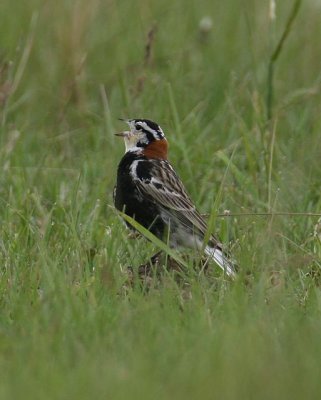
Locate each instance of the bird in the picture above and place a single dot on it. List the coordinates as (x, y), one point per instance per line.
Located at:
(149, 190)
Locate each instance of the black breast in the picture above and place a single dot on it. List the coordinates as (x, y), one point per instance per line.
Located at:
(128, 199)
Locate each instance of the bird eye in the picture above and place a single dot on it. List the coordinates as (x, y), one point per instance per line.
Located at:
(138, 127)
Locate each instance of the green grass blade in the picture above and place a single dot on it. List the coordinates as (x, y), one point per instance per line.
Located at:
(157, 242)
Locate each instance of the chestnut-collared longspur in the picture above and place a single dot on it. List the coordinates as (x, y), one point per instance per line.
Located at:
(149, 190)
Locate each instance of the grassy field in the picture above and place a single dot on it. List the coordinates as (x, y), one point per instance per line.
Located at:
(68, 70)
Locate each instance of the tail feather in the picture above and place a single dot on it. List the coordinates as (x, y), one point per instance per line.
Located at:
(221, 260)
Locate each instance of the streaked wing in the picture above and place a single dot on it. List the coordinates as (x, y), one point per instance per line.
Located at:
(164, 187)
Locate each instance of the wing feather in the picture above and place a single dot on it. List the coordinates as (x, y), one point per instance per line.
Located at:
(165, 188)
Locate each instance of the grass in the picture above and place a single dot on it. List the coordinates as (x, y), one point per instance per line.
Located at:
(68, 70)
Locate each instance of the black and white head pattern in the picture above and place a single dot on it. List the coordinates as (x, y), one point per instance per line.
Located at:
(147, 131)
(142, 132)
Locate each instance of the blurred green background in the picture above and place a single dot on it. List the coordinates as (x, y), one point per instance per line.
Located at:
(68, 70)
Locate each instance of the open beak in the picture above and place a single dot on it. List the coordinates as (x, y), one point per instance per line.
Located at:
(123, 134)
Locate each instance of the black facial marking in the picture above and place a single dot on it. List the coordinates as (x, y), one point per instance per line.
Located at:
(148, 122)
(152, 125)
(149, 135)
(144, 143)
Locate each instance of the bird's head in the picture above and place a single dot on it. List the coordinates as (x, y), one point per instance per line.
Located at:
(146, 137)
